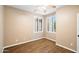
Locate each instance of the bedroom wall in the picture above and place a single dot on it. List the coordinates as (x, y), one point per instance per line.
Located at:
(18, 26)
(67, 26)
(1, 28)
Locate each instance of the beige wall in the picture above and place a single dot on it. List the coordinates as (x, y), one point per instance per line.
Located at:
(66, 26)
(1, 28)
(47, 34)
(18, 26)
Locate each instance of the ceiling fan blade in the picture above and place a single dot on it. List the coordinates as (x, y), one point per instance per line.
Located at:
(52, 6)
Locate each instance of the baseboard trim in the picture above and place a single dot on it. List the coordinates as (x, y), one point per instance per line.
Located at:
(50, 39)
(38, 39)
(21, 43)
(65, 47)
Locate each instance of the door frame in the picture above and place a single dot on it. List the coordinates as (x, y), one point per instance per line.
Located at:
(77, 34)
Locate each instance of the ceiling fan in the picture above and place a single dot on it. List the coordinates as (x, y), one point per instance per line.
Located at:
(44, 8)
(52, 6)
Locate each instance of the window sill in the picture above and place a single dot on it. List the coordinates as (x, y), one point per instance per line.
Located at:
(52, 32)
(38, 32)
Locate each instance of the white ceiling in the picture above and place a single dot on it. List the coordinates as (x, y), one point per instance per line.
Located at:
(38, 9)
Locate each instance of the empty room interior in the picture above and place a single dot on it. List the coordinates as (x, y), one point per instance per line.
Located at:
(39, 28)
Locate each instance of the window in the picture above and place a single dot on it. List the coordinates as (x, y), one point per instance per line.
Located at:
(38, 24)
(52, 24)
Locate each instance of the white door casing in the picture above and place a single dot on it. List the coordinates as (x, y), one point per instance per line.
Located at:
(78, 32)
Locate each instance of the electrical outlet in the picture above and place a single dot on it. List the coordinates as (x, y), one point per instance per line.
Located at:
(71, 44)
(16, 40)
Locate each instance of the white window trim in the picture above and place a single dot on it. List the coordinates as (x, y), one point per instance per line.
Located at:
(53, 26)
(40, 17)
(51, 32)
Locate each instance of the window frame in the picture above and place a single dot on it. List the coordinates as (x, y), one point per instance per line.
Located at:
(36, 25)
(54, 29)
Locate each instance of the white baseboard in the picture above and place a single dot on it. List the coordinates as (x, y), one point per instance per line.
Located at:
(50, 39)
(38, 39)
(21, 43)
(65, 47)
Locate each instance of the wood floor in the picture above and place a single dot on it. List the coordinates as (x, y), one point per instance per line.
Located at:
(38, 46)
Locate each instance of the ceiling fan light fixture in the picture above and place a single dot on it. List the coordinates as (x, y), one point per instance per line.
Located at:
(42, 8)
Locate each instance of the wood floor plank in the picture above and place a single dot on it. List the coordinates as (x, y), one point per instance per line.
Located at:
(38, 46)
